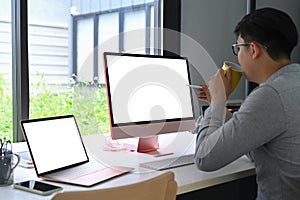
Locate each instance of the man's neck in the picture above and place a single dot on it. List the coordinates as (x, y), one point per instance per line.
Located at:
(272, 67)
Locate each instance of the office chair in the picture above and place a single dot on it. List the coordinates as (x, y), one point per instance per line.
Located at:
(162, 187)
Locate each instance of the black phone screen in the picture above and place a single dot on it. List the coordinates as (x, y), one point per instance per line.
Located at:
(37, 187)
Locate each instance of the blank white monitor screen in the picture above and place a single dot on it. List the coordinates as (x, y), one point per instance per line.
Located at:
(147, 88)
(47, 141)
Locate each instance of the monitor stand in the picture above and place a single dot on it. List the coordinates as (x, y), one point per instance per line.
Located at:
(150, 145)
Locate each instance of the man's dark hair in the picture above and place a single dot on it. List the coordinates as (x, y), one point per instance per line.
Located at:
(271, 28)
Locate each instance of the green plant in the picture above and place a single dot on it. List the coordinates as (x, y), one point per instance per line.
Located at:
(48, 100)
(87, 101)
(90, 107)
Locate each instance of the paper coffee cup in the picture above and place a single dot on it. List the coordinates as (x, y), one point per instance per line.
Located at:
(236, 74)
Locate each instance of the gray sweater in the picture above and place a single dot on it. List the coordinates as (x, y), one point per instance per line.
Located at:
(267, 125)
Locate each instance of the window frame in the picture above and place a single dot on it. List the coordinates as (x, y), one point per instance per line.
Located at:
(20, 70)
(73, 65)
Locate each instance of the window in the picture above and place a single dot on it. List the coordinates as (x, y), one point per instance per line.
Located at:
(65, 66)
(47, 57)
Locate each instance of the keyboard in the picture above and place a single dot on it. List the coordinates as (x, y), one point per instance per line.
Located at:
(170, 162)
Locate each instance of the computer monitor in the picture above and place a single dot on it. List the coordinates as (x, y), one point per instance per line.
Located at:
(147, 96)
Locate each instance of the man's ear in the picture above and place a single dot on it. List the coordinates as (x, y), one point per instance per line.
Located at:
(255, 49)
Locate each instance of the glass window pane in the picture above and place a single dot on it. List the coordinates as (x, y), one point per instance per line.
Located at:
(135, 22)
(108, 38)
(52, 91)
(48, 57)
(85, 49)
(5, 71)
(108, 29)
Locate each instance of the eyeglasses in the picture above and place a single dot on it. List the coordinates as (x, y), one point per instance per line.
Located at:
(236, 47)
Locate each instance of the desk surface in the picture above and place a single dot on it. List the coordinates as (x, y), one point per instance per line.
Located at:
(188, 178)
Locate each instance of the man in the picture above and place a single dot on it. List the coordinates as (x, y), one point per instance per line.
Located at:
(267, 125)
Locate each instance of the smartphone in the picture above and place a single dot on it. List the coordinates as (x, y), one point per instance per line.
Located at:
(37, 187)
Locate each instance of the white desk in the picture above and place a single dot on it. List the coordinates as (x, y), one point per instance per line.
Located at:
(188, 178)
